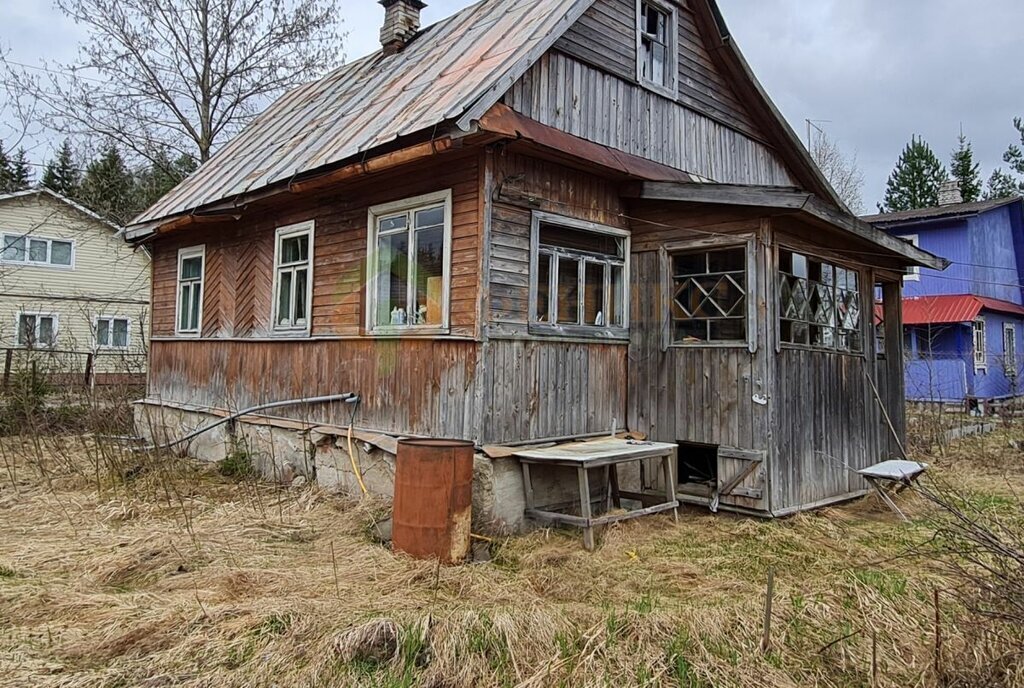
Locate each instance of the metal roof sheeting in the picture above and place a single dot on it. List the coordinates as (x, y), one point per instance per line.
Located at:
(942, 211)
(458, 63)
(947, 309)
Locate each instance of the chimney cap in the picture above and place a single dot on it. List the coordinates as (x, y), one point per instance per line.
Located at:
(417, 4)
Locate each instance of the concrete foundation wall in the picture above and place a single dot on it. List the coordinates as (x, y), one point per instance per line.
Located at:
(281, 454)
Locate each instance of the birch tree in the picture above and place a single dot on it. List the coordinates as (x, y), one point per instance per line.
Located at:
(166, 78)
(841, 171)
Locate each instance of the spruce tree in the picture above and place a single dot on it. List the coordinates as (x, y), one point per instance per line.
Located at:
(162, 176)
(109, 187)
(61, 175)
(1002, 185)
(963, 169)
(21, 171)
(6, 171)
(915, 181)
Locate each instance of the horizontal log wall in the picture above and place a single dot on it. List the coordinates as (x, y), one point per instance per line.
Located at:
(605, 37)
(579, 99)
(407, 386)
(522, 185)
(240, 253)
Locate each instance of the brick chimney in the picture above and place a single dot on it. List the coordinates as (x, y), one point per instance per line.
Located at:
(401, 22)
(949, 193)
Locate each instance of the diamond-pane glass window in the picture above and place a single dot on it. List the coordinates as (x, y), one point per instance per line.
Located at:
(819, 304)
(709, 296)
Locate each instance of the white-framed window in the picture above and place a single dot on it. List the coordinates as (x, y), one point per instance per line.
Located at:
(36, 330)
(656, 45)
(293, 277)
(979, 340)
(23, 249)
(579, 277)
(409, 271)
(112, 332)
(191, 266)
(710, 301)
(1009, 349)
(914, 273)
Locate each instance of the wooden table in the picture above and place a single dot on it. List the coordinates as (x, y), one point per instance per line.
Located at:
(901, 474)
(604, 454)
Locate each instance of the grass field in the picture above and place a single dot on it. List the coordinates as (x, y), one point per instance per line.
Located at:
(120, 571)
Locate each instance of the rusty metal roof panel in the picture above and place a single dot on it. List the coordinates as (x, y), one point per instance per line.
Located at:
(458, 63)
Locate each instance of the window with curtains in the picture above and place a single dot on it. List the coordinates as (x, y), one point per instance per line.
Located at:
(37, 330)
(293, 277)
(409, 280)
(819, 304)
(112, 332)
(189, 317)
(32, 250)
(579, 283)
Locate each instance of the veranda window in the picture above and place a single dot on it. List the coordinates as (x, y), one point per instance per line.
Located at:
(190, 290)
(293, 277)
(819, 304)
(980, 344)
(579, 282)
(709, 296)
(410, 242)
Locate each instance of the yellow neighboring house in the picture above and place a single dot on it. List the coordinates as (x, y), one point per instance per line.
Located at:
(70, 287)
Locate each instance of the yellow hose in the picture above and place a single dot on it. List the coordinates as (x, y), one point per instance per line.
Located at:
(355, 462)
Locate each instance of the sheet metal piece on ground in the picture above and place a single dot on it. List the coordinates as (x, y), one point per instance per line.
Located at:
(894, 470)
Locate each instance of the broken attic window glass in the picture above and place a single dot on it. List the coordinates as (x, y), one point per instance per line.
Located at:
(709, 296)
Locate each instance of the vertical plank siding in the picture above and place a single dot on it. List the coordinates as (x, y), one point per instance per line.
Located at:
(576, 98)
(407, 386)
(605, 38)
(238, 282)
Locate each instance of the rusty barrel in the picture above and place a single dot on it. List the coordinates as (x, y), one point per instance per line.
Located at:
(433, 499)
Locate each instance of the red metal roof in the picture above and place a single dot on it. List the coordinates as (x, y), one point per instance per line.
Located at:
(956, 308)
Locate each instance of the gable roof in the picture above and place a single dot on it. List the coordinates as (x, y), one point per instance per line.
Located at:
(447, 69)
(942, 212)
(45, 191)
(446, 78)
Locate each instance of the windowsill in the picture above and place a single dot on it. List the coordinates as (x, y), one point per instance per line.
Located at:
(710, 345)
(188, 335)
(670, 92)
(822, 350)
(290, 333)
(47, 266)
(580, 332)
(408, 331)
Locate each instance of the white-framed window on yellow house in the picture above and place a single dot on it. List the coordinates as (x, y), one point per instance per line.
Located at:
(409, 269)
(112, 332)
(191, 267)
(21, 249)
(37, 330)
(293, 277)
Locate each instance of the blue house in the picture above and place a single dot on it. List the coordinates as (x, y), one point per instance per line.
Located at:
(963, 327)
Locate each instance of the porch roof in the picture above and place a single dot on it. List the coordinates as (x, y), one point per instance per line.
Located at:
(953, 308)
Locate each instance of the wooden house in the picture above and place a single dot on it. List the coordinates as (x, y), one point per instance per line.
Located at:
(74, 298)
(963, 328)
(539, 220)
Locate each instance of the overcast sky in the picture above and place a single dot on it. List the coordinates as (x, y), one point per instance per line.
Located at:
(873, 71)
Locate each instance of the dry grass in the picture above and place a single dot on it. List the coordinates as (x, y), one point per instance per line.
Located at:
(119, 571)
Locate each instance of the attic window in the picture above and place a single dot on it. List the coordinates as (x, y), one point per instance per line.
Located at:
(656, 46)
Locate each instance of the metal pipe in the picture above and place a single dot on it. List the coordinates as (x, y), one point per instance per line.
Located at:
(347, 397)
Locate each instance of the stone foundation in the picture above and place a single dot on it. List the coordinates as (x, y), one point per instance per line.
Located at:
(282, 453)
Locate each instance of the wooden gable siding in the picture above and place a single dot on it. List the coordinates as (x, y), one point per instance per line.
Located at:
(417, 386)
(521, 185)
(238, 282)
(572, 96)
(605, 37)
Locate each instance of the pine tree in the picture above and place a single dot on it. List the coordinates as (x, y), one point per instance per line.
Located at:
(61, 175)
(162, 176)
(963, 169)
(109, 187)
(1002, 185)
(915, 181)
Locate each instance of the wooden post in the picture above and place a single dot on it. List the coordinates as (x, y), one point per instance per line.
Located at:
(588, 529)
(769, 593)
(938, 637)
(8, 362)
(88, 369)
(892, 307)
(874, 658)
